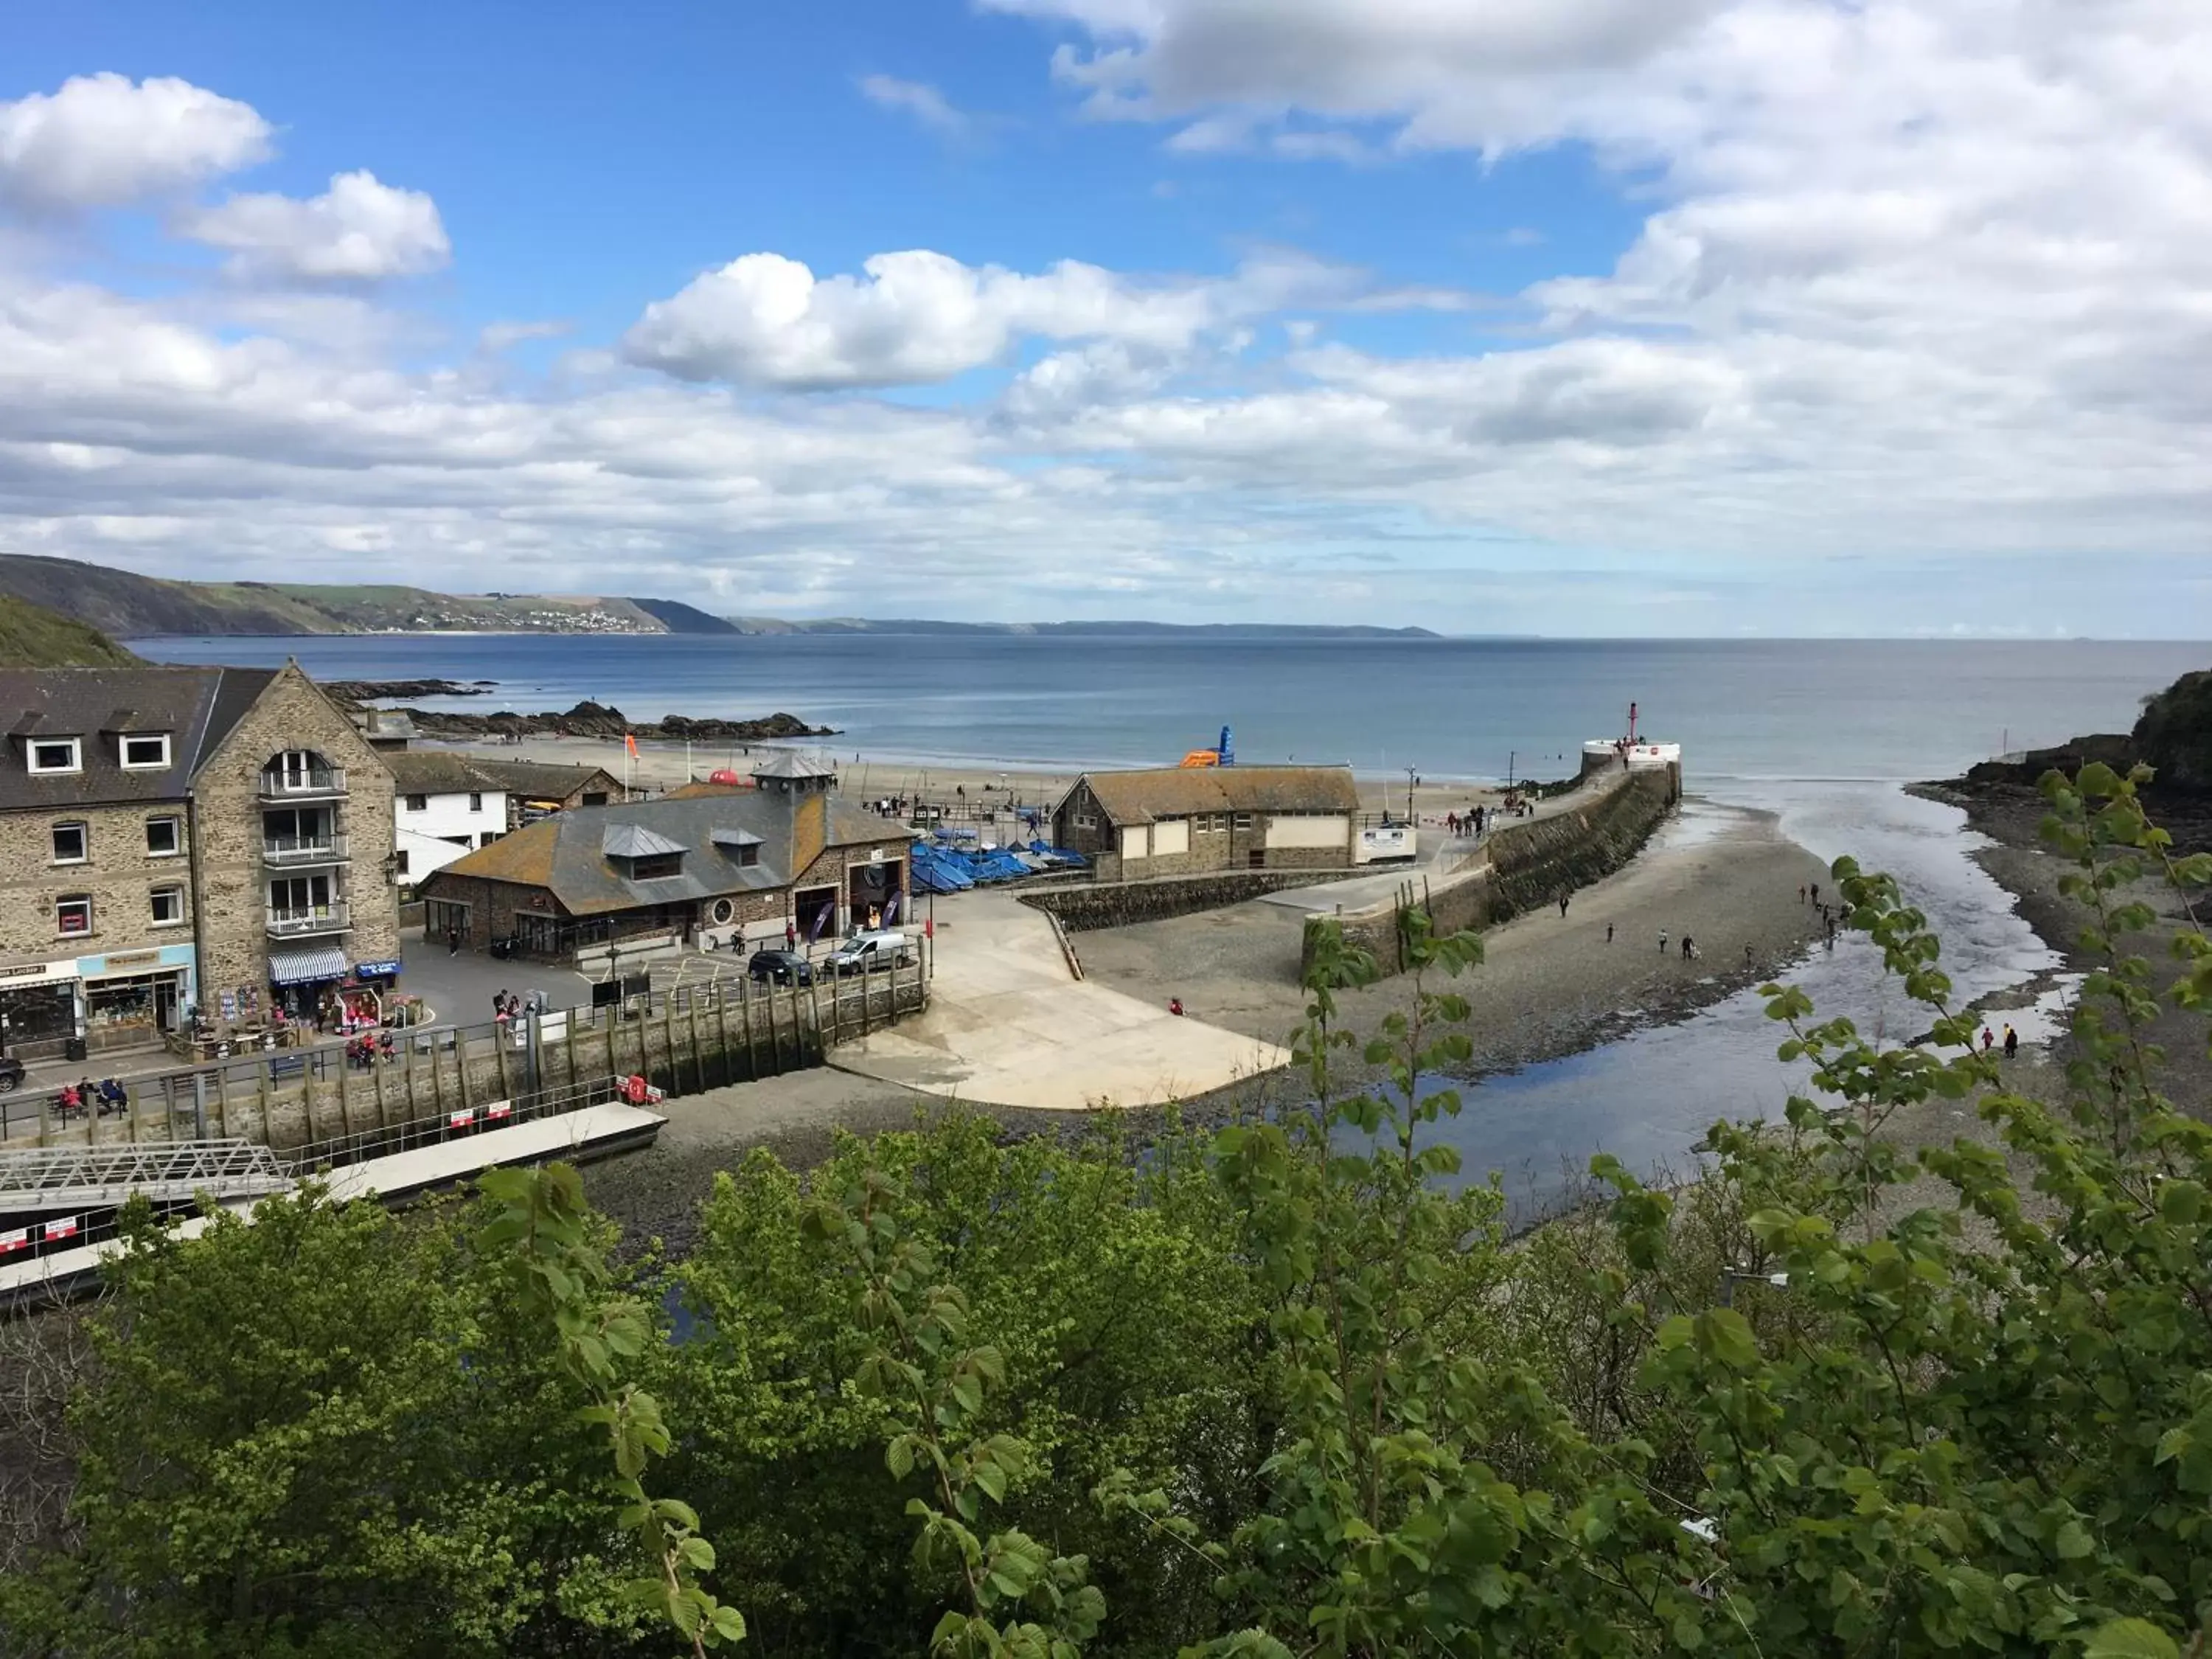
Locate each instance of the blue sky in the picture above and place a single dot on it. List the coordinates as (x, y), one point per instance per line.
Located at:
(1686, 317)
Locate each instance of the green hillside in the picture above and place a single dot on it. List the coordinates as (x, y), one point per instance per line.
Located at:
(131, 607)
(32, 636)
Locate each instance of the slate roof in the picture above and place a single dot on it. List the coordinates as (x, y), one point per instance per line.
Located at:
(636, 841)
(440, 772)
(568, 854)
(790, 763)
(1177, 791)
(196, 707)
(540, 780)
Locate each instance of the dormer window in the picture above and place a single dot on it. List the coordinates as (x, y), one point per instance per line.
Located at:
(50, 755)
(145, 751)
(653, 865)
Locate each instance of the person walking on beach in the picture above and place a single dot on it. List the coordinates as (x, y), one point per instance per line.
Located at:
(1746, 955)
(1988, 1037)
(1689, 948)
(2011, 1043)
(1563, 904)
(1801, 892)
(1816, 892)
(1608, 933)
(1662, 941)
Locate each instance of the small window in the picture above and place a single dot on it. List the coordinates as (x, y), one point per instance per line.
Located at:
(749, 855)
(73, 914)
(399, 862)
(476, 801)
(1085, 821)
(165, 838)
(1243, 820)
(595, 797)
(144, 754)
(55, 754)
(419, 803)
(72, 843)
(168, 906)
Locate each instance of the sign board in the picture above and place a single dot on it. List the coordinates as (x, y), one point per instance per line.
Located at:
(376, 970)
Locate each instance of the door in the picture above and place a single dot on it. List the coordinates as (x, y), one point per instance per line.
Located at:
(165, 1004)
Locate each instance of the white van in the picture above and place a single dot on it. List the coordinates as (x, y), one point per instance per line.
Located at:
(869, 949)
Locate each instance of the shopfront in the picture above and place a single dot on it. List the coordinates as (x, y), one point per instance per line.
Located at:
(301, 982)
(135, 998)
(38, 1009)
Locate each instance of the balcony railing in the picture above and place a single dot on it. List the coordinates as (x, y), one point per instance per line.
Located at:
(307, 919)
(303, 784)
(304, 849)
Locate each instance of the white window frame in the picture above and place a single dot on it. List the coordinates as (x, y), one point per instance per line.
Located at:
(176, 835)
(475, 800)
(74, 745)
(72, 901)
(1243, 820)
(176, 896)
(123, 750)
(83, 840)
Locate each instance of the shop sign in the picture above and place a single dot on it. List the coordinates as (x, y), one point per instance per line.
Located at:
(39, 971)
(375, 970)
(123, 959)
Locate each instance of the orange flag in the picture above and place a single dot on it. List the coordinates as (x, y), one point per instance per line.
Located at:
(630, 739)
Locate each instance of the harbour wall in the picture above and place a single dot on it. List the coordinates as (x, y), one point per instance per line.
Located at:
(1118, 903)
(1524, 865)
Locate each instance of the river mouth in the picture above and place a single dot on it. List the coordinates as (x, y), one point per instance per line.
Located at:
(1648, 1097)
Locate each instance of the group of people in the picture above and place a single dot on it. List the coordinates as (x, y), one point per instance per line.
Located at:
(1809, 893)
(2011, 1042)
(362, 1052)
(77, 1098)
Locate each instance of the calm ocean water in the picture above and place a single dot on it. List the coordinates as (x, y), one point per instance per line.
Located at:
(1747, 710)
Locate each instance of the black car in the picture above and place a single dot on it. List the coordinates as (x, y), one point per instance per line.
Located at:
(780, 968)
(11, 1074)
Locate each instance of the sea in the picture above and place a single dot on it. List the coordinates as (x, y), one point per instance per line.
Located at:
(1824, 733)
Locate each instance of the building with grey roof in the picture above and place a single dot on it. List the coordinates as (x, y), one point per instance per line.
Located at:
(729, 866)
(178, 843)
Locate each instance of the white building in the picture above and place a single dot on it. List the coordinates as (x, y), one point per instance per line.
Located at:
(443, 807)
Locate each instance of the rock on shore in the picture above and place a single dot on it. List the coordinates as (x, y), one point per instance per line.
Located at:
(597, 720)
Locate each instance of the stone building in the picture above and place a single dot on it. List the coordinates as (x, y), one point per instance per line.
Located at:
(1182, 821)
(180, 840)
(729, 866)
(534, 788)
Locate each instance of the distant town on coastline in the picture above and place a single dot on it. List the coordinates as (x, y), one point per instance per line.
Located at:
(127, 606)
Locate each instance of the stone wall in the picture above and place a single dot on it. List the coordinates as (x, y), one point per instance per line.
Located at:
(1116, 905)
(118, 873)
(1528, 863)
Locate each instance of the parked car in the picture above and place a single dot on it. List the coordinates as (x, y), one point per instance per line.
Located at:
(780, 968)
(11, 1074)
(866, 952)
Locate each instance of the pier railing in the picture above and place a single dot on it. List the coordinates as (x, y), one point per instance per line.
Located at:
(682, 1038)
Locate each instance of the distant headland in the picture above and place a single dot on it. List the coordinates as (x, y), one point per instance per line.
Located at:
(126, 606)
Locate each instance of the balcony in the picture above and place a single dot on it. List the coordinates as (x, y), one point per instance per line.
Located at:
(296, 852)
(299, 783)
(307, 920)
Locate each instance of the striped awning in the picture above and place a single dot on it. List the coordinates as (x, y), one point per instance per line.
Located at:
(305, 967)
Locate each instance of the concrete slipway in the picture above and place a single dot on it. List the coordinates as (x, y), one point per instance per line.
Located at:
(1009, 1024)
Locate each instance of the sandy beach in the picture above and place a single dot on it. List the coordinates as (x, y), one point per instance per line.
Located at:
(664, 766)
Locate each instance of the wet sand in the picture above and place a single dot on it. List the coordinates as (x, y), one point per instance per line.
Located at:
(1547, 986)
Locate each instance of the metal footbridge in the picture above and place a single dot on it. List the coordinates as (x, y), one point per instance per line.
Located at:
(100, 1177)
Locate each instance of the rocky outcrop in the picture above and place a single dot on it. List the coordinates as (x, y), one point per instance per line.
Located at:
(598, 719)
(1527, 865)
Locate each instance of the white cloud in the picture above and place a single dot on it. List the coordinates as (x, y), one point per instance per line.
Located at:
(495, 337)
(103, 140)
(361, 230)
(924, 102)
(920, 317)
